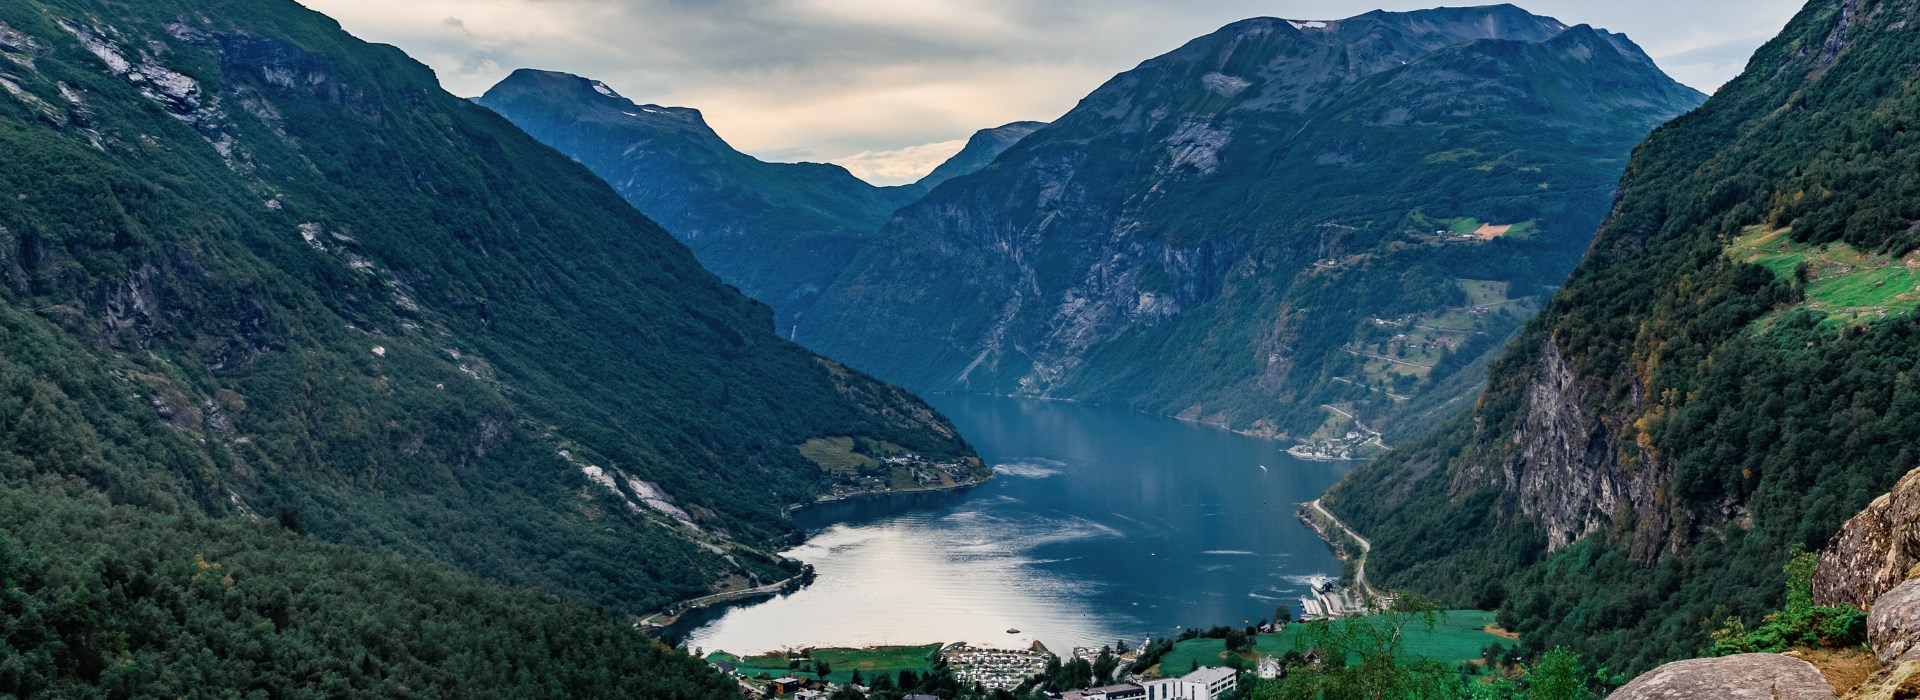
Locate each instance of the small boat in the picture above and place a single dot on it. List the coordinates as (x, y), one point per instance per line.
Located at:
(1011, 630)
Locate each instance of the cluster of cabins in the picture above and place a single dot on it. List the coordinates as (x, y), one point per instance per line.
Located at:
(994, 669)
(1202, 684)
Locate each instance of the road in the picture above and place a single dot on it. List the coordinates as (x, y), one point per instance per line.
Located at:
(702, 601)
(1360, 563)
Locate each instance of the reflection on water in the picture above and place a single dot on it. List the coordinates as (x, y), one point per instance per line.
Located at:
(1102, 525)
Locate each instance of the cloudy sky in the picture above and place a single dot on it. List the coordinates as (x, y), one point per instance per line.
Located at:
(889, 88)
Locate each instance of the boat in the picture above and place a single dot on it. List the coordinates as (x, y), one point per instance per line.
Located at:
(1011, 630)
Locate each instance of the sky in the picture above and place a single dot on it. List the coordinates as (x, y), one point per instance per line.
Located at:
(890, 88)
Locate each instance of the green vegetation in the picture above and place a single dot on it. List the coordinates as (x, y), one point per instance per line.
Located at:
(387, 310)
(117, 601)
(1739, 420)
(837, 455)
(1836, 279)
(1457, 636)
(872, 662)
(1799, 624)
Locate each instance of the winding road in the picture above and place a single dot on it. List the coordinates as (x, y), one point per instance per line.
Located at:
(1360, 564)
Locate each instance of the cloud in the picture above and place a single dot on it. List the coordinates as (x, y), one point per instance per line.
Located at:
(878, 84)
(901, 165)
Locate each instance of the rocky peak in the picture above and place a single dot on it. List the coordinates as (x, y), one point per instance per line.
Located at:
(981, 149)
(592, 99)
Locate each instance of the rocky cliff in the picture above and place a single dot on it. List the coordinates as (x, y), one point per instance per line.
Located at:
(1722, 377)
(1277, 216)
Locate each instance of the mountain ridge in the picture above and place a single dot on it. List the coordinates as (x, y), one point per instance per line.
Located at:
(780, 232)
(1170, 215)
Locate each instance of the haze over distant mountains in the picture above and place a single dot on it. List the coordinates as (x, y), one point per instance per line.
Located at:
(781, 232)
(1220, 234)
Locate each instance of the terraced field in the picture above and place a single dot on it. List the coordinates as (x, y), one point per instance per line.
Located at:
(1849, 286)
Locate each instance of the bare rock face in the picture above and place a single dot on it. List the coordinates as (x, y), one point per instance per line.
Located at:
(1873, 552)
(1893, 628)
(1740, 677)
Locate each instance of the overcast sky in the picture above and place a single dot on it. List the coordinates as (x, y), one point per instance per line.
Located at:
(889, 88)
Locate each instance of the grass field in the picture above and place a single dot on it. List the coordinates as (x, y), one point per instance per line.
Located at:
(836, 455)
(869, 662)
(1459, 636)
(1847, 285)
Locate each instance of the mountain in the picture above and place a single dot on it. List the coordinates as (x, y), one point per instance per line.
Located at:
(981, 149)
(1271, 228)
(1727, 376)
(780, 232)
(253, 267)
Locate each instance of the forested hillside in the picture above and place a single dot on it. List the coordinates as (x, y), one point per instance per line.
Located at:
(118, 601)
(250, 265)
(1275, 226)
(1730, 373)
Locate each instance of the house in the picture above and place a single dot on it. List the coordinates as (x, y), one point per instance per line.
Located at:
(809, 695)
(1122, 691)
(920, 697)
(1271, 668)
(1202, 684)
(786, 684)
(727, 668)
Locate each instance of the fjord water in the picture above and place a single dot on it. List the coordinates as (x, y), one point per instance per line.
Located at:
(1101, 525)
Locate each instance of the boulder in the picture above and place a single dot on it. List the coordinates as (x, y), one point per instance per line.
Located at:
(1893, 627)
(1739, 677)
(1874, 551)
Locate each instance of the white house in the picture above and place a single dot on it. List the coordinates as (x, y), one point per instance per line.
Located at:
(1270, 668)
(1203, 684)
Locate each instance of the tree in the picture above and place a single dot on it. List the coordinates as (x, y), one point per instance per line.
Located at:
(1282, 615)
(821, 668)
(856, 678)
(1366, 657)
(1559, 676)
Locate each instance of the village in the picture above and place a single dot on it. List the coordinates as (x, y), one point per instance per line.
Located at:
(1008, 669)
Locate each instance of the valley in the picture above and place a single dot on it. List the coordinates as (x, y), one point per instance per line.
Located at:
(1459, 353)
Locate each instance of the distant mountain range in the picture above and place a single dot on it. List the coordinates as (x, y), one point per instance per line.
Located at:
(1290, 228)
(781, 232)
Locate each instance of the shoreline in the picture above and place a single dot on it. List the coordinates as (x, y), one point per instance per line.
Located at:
(792, 508)
(667, 617)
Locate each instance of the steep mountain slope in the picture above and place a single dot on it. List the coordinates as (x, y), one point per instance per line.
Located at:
(781, 232)
(251, 265)
(980, 151)
(1727, 375)
(1276, 217)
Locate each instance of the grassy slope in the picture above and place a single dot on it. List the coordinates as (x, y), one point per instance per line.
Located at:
(1459, 636)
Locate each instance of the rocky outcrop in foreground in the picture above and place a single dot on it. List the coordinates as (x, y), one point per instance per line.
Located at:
(1870, 563)
(1757, 676)
(1874, 552)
